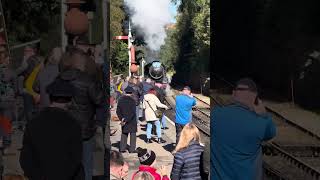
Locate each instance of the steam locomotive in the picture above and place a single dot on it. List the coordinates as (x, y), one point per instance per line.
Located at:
(156, 71)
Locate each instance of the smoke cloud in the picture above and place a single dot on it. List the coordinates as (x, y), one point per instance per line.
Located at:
(151, 16)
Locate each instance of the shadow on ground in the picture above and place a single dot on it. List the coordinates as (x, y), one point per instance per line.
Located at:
(143, 137)
(169, 147)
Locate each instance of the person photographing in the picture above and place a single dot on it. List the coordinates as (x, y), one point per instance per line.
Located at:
(184, 103)
(238, 131)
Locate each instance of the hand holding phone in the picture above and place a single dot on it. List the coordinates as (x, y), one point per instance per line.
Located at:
(258, 107)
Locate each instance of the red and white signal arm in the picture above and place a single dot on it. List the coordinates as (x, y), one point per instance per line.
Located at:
(121, 37)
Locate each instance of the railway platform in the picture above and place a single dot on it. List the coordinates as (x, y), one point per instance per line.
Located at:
(293, 113)
(162, 151)
(303, 118)
(11, 164)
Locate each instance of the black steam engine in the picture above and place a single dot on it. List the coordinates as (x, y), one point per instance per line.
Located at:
(156, 71)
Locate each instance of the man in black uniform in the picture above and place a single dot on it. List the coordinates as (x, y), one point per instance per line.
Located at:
(126, 112)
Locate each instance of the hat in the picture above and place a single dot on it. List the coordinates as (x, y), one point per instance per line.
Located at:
(129, 90)
(187, 88)
(60, 88)
(146, 156)
(248, 82)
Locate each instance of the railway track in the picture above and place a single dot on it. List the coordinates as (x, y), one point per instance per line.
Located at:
(293, 154)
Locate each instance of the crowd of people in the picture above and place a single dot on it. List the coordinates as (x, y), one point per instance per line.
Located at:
(141, 100)
(64, 107)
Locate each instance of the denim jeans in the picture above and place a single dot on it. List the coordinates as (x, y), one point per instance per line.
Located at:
(87, 157)
(149, 128)
(164, 121)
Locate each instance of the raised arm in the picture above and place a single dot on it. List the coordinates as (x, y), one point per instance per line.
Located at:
(194, 101)
(270, 130)
(159, 104)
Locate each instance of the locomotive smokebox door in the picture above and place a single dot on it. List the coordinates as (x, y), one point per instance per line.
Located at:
(156, 70)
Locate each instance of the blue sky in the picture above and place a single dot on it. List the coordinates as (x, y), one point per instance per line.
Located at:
(173, 10)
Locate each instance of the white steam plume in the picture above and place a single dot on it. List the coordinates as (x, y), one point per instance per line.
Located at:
(151, 16)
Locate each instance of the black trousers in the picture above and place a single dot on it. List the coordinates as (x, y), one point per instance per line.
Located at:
(123, 141)
(28, 106)
(179, 128)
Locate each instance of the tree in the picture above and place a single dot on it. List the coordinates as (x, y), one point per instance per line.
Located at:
(187, 46)
(120, 62)
(118, 49)
(30, 20)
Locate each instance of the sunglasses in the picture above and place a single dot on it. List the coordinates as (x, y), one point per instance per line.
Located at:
(243, 89)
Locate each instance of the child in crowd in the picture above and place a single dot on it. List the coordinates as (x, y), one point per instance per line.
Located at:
(143, 175)
(147, 160)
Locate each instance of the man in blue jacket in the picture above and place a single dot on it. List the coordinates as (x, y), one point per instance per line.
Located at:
(184, 103)
(237, 131)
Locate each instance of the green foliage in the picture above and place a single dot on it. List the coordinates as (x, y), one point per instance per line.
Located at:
(201, 23)
(169, 51)
(118, 48)
(187, 46)
(30, 20)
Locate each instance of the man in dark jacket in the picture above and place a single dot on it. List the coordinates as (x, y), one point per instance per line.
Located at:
(87, 98)
(137, 94)
(52, 143)
(126, 112)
